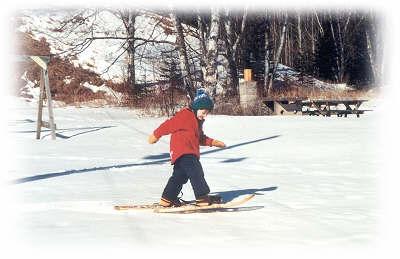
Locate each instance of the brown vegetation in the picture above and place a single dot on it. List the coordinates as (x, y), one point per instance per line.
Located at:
(66, 80)
(66, 85)
(320, 94)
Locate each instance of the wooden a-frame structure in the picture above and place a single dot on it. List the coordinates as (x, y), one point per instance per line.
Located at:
(43, 62)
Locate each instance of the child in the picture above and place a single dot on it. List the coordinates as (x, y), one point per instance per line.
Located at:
(186, 129)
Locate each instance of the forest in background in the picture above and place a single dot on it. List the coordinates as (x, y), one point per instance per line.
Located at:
(210, 48)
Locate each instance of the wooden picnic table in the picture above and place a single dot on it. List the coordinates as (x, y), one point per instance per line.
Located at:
(331, 107)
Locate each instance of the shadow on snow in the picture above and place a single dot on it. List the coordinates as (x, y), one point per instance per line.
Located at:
(230, 195)
(59, 131)
(236, 209)
(156, 162)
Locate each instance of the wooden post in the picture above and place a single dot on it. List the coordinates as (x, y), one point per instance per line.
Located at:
(247, 75)
(49, 104)
(40, 107)
(44, 88)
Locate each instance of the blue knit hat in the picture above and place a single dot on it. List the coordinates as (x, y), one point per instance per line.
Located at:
(202, 101)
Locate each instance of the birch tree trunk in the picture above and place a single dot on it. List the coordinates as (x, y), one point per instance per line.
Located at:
(232, 76)
(375, 53)
(232, 40)
(203, 45)
(277, 56)
(335, 43)
(267, 54)
(129, 19)
(312, 36)
(299, 35)
(212, 53)
(183, 56)
(341, 53)
(338, 41)
(370, 54)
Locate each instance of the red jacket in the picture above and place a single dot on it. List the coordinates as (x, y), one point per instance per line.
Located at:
(187, 134)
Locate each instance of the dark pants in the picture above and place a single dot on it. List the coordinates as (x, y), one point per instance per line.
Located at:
(187, 167)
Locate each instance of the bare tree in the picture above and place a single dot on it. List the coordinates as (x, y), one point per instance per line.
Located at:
(338, 30)
(212, 52)
(277, 55)
(312, 36)
(86, 22)
(267, 52)
(129, 17)
(233, 37)
(374, 47)
(299, 34)
(203, 43)
(183, 56)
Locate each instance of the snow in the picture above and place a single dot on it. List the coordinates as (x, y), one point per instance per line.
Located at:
(31, 88)
(285, 73)
(316, 180)
(101, 55)
(103, 88)
(328, 231)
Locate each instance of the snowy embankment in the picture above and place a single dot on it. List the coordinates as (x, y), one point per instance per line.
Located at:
(106, 57)
(316, 180)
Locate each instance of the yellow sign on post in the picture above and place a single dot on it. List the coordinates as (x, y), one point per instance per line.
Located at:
(247, 74)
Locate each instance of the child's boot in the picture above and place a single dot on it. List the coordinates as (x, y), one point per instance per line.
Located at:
(208, 200)
(167, 203)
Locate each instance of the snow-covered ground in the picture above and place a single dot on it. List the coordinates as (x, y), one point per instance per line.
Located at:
(316, 180)
(285, 73)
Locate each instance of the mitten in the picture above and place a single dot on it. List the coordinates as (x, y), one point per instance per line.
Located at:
(152, 139)
(217, 143)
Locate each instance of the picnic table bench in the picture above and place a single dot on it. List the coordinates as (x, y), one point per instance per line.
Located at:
(331, 107)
